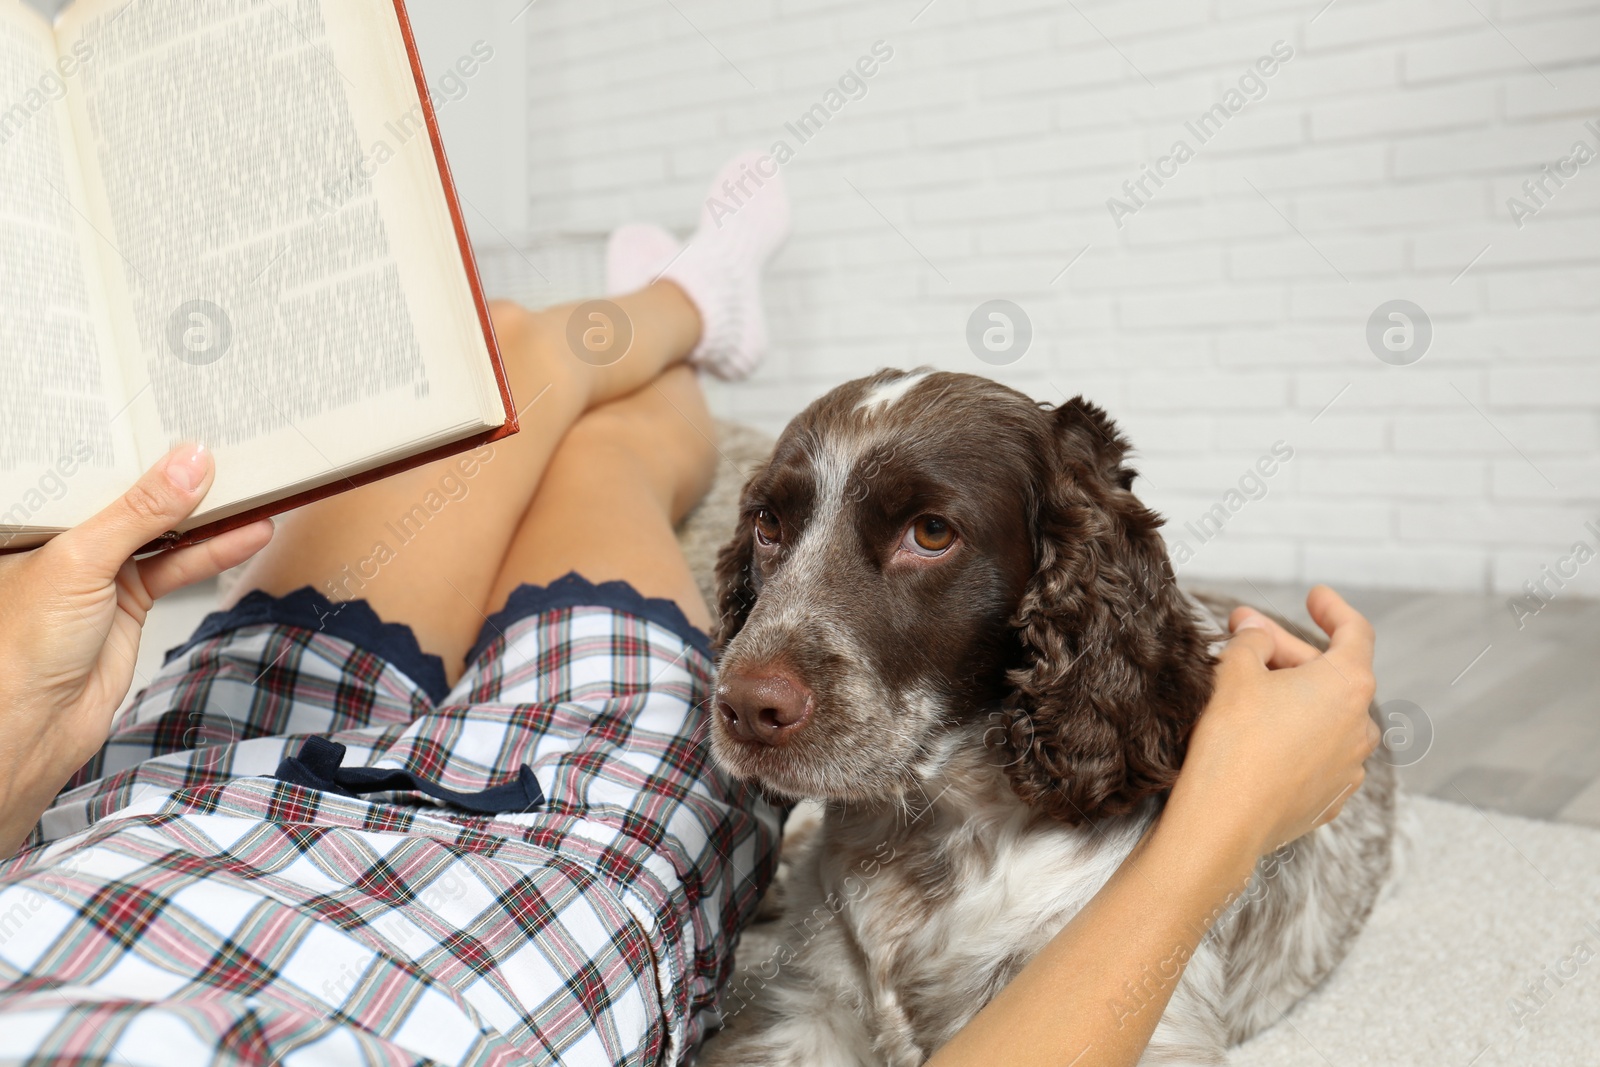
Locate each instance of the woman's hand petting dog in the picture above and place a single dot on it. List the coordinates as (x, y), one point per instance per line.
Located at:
(1280, 747)
(1274, 755)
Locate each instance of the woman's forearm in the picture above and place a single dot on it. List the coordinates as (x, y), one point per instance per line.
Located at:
(1094, 994)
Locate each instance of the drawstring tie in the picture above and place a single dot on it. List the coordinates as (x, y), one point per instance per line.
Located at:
(318, 767)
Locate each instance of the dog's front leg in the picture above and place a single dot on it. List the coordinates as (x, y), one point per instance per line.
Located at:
(794, 1019)
(792, 1027)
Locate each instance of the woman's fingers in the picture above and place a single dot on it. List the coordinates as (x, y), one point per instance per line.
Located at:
(1288, 650)
(171, 571)
(1252, 645)
(1350, 635)
(159, 501)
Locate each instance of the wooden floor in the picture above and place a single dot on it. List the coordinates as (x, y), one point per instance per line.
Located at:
(1514, 712)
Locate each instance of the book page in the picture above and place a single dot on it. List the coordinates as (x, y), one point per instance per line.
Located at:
(285, 295)
(63, 452)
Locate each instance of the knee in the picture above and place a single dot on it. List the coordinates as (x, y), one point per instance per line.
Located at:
(646, 429)
(511, 320)
(531, 347)
(678, 445)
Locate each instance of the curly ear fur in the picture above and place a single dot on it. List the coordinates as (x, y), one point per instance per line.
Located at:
(1116, 670)
(736, 587)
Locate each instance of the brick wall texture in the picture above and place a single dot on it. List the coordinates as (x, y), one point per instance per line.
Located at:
(1199, 207)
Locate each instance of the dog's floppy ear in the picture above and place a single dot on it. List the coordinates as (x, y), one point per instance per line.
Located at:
(736, 587)
(1116, 670)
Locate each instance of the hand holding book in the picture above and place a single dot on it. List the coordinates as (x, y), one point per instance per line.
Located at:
(172, 270)
(68, 646)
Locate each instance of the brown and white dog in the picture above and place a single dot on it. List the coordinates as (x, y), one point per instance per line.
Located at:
(946, 616)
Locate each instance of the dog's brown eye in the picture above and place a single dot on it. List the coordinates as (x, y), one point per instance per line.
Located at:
(930, 535)
(768, 531)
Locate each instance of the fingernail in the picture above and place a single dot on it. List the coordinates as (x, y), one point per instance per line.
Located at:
(1252, 622)
(187, 467)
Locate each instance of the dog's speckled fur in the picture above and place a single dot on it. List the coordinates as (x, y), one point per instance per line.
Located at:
(991, 734)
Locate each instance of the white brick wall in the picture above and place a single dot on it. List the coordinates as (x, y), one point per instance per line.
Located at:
(1228, 312)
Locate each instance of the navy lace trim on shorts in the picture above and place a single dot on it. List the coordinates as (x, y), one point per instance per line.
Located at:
(356, 622)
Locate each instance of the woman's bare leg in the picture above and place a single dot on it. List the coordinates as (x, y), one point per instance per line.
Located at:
(623, 477)
(425, 547)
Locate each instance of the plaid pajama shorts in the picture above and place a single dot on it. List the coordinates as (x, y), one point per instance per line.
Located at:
(178, 905)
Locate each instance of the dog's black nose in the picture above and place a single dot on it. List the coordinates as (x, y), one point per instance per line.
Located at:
(770, 708)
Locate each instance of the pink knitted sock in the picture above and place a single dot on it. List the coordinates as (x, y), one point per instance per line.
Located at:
(636, 254)
(744, 221)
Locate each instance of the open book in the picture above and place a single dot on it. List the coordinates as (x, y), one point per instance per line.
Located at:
(228, 221)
